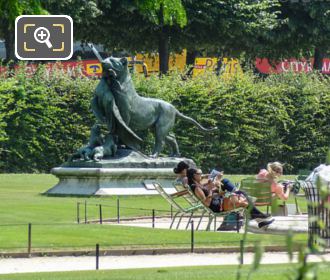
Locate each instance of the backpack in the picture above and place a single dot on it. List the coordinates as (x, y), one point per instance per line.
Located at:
(230, 222)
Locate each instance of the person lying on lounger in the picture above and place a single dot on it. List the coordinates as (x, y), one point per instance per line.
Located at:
(216, 176)
(218, 203)
(181, 171)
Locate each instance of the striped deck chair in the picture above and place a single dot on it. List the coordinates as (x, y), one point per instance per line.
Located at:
(183, 192)
(180, 210)
(193, 200)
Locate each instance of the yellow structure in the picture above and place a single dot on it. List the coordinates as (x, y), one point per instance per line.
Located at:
(149, 63)
(176, 61)
(228, 66)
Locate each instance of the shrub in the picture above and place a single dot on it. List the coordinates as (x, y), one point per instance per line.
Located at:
(44, 118)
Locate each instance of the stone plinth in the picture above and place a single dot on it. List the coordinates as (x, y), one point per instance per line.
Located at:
(129, 173)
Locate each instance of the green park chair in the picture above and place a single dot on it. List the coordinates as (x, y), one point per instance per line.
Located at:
(180, 210)
(190, 197)
(259, 190)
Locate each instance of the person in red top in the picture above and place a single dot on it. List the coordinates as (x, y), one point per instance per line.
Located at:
(272, 173)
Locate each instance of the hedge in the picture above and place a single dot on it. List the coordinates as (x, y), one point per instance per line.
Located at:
(44, 118)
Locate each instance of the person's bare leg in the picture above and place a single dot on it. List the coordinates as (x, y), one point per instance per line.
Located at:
(230, 203)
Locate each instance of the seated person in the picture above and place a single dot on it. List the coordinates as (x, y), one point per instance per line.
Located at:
(181, 171)
(219, 203)
(216, 177)
(272, 173)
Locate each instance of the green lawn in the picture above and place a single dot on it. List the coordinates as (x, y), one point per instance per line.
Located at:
(269, 272)
(65, 237)
(54, 221)
(22, 202)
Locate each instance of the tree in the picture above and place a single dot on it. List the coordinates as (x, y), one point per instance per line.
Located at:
(228, 28)
(83, 13)
(132, 25)
(303, 31)
(316, 28)
(163, 14)
(9, 10)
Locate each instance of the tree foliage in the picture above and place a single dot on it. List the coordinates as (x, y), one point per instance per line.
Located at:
(172, 11)
(228, 27)
(82, 12)
(302, 31)
(9, 10)
(245, 28)
(130, 25)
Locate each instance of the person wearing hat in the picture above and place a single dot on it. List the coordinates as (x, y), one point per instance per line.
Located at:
(273, 172)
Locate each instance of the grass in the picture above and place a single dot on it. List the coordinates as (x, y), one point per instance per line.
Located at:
(269, 272)
(71, 237)
(54, 225)
(22, 194)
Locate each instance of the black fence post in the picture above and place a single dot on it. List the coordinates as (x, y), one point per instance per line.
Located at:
(78, 213)
(241, 247)
(100, 211)
(29, 238)
(97, 254)
(192, 237)
(118, 212)
(171, 212)
(153, 218)
(85, 212)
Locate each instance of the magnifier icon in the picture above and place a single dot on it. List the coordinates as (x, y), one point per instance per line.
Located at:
(41, 35)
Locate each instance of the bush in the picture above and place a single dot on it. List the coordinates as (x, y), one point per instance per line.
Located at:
(44, 118)
(283, 117)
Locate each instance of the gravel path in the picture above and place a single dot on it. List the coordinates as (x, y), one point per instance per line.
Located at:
(43, 264)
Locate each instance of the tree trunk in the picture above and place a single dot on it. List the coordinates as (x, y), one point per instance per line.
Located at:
(163, 44)
(163, 49)
(9, 44)
(191, 55)
(319, 54)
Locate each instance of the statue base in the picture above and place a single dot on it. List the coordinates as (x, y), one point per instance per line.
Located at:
(129, 173)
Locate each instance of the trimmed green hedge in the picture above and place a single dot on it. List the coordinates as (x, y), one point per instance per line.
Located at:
(283, 117)
(44, 118)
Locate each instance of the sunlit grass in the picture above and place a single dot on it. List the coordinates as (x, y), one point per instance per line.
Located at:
(54, 219)
(269, 272)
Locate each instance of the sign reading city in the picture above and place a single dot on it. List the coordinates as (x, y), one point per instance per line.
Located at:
(43, 37)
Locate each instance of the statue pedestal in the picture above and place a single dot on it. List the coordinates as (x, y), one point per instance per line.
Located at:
(130, 173)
